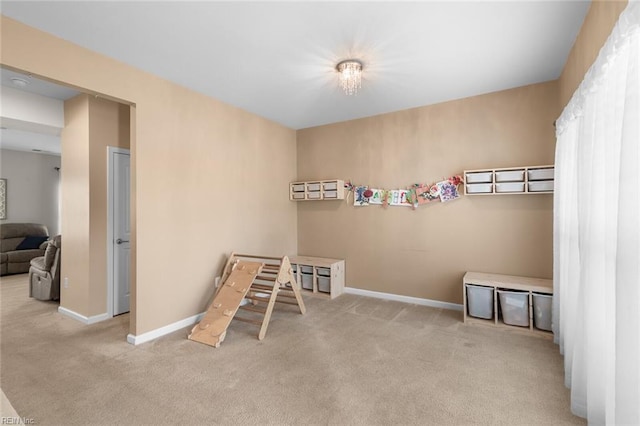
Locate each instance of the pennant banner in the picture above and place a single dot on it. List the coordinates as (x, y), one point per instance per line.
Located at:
(414, 196)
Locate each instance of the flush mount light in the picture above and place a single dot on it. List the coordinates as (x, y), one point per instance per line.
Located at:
(19, 82)
(350, 75)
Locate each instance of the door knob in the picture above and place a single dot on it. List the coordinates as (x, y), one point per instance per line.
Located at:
(120, 241)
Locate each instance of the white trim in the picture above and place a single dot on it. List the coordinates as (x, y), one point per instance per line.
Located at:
(405, 299)
(111, 150)
(162, 331)
(85, 320)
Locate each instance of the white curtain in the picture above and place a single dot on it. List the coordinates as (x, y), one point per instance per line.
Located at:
(596, 312)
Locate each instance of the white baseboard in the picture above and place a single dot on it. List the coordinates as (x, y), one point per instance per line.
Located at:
(85, 320)
(405, 299)
(167, 329)
(162, 331)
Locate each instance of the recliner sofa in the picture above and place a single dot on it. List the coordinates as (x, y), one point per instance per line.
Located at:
(14, 261)
(44, 274)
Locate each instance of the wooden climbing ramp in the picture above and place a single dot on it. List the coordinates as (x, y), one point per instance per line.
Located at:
(253, 284)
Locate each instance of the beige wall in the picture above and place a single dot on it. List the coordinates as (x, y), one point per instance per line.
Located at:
(596, 28)
(208, 178)
(424, 253)
(75, 205)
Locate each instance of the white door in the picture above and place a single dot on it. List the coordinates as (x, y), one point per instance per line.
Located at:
(121, 232)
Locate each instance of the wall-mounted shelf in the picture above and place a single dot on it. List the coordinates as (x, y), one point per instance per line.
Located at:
(317, 190)
(512, 180)
(319, 275)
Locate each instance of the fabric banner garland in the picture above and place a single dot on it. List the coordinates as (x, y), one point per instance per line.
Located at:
(414, 196)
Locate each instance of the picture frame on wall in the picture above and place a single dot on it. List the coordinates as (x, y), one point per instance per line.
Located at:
(3, 199)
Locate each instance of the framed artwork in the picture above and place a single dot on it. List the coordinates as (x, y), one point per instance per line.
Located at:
(3, 198)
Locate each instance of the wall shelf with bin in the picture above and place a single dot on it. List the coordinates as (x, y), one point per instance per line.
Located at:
(507, 301)
(317, 190)
(319, 275)
(512, 180)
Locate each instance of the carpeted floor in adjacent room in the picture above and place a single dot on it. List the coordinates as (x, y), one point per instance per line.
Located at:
(352, 360)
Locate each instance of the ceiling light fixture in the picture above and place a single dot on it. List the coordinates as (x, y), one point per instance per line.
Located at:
(19, 82)
(350, 76)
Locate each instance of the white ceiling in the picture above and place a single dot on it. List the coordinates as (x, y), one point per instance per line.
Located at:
(37, 86)
(19, 140)
(31, 137)
(277, 59)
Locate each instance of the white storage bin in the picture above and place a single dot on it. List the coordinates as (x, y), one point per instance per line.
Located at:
(510, 187)
(542, 305)
(313, 187)
(331, 194)
(330, 186)
(510, 176)
(480, 301)
(324, 285)
(313, 195)
(478, 177)
(307, 281)
(479, 188)
(306, 269)
(515, 307)
(325, 272)
(298, 187)
(298, 195)
(541, 185)
(541, 174)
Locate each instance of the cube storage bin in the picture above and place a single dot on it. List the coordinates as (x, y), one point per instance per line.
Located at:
(541, 186)
(542, 307)
(325, 272)
(313, 187)
(313, 195)
(510, 176)
(479, 188)
(510, 187)
(481, 177)
(330, 186)
(331, 194)
(307, 281)
(299, 187)
(324, 284)
(298, 195)
(480, 301)
(541, 174)
(515, 307)
(306, 269)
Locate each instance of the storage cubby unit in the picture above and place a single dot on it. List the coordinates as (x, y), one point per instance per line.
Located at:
(512, 180)
(319, 275)
(317, 190)
(517, 303)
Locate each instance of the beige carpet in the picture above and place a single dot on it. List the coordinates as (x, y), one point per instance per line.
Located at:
(353, 360)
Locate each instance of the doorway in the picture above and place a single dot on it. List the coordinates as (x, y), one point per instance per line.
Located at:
(118, 231)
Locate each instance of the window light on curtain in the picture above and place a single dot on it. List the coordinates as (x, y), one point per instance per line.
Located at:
(596, 313)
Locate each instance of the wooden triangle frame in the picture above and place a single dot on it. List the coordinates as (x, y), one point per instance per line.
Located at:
(259, 279)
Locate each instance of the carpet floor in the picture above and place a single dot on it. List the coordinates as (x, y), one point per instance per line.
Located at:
(349, 361)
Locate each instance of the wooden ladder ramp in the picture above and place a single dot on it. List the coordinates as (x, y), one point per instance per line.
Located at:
(261, 280)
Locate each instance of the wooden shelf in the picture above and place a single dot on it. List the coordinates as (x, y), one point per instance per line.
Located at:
(317, 190)
(325, 277)
(506, 282)
(509, 181)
